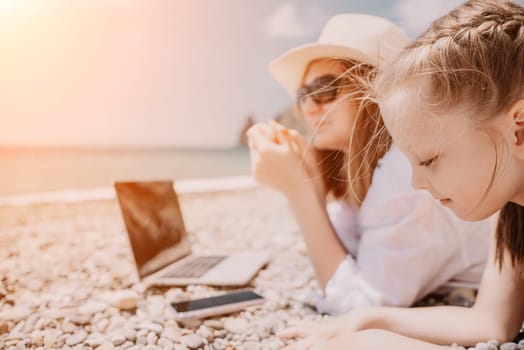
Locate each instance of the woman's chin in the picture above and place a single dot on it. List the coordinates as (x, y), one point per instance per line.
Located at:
(325, 144)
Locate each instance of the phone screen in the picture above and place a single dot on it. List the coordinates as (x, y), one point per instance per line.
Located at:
(205, 303)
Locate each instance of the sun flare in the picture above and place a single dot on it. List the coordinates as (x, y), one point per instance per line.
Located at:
(8, 7)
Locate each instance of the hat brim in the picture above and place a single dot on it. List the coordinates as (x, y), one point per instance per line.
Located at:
(288, 69)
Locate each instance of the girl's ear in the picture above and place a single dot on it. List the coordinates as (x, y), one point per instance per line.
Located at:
(517, 115)
(519, 127)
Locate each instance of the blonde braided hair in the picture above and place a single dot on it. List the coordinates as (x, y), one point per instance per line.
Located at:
(472, 57)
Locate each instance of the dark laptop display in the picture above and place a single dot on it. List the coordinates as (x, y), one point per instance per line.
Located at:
(154, 221)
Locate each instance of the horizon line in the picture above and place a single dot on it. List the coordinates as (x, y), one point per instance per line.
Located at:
(104, 148)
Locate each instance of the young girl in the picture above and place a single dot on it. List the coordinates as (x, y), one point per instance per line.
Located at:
(379, 242)
(453, 102)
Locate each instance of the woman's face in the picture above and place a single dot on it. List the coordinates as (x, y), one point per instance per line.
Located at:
(455, 160)
(330, 122)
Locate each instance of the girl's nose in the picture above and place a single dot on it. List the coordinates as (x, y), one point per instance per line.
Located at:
(419, 181)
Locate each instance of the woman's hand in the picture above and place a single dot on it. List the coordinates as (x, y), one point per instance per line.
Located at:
(304, 150)
(277, 158)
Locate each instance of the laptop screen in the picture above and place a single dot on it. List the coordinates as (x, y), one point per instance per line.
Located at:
(154, 224)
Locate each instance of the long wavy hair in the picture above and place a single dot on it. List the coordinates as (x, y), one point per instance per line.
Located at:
(347, 173)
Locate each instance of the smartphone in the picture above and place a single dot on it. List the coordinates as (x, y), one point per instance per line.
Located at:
(217, 305)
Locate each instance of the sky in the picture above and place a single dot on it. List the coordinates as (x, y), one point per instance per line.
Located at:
(157, 73)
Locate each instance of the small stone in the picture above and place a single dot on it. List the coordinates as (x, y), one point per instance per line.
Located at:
(175, 294)
(126, 345)
(223, 333)
(80, 320)
(165, 344)
(455, 346)
(142, 333)
(30, 323)
(236, 325)
(271, 305)
(37, 338)
(509, 346)
(142, 340)
(249, 345)
(154, 327)
(15, 314)
(102, 325)
(155, 305)
(68, 327)
(18, 329)
(105, 346)
(21, 346)
(151, 338)
(485, 346)
(254, 337)
(124, 299)
(205, 333)
(116, 322)
(494, 342)
(191, 323)
(129, 333)
(76, 338)
(275, 344)
(193, 341)
(171, 333)
(4, 328)
(136, 347)
(96, 339)
(50, 340)
(262, 333)
(272, 295)
(117, 338)
(92, 307)
(215, 324)
(171, 323)
(40, 324)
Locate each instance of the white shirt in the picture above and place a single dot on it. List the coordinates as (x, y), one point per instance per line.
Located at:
(402, 244)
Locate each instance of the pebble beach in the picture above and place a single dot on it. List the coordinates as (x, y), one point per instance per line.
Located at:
(68, 280)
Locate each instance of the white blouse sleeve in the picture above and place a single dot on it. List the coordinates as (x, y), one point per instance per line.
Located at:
(409, 246)
(344, 219)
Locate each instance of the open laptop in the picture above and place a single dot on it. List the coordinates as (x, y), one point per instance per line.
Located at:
(160, 243)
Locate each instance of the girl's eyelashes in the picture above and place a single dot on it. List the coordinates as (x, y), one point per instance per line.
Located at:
(428, 162)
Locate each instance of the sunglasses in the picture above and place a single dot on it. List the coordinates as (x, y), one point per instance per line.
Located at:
(322, 90)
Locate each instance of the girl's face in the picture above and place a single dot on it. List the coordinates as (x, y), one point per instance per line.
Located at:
(455, 160)
(329, 116)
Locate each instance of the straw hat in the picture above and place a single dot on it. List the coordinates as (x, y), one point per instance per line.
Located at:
(364, 38)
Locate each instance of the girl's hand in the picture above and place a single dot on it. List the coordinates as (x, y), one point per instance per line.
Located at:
(311, 329)
(310, 343)
(351, 322)
(370, 339)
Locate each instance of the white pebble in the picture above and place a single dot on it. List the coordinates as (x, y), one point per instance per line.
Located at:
(236, 325)
(193, 341)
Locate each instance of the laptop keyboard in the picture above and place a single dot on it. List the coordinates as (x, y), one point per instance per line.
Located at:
(195, 267)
